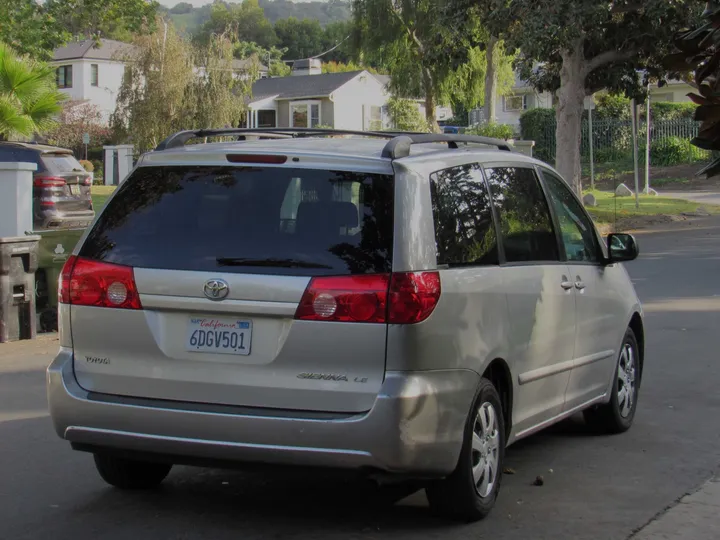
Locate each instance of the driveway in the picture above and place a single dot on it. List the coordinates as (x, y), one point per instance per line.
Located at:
(595, 487)
(701, 196)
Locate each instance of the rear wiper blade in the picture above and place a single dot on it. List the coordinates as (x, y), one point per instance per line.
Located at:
(277, 263)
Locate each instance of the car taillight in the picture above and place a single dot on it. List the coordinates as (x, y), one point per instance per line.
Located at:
(84, 282)
(402, 298)
(413, 296)
(48, 181)
(345, 299)
(86, 181)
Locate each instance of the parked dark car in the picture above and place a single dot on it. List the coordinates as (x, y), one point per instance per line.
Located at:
(451, 129)
(61, 187)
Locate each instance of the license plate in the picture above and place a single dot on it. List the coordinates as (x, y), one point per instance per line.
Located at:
(74, 189)
(219, 336)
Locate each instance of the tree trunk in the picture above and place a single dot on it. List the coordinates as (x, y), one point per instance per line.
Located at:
(491, 82)
(569, 115)
(430, 105)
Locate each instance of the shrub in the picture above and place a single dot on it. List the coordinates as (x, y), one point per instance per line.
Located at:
(538, 125)
(496, 131)
(97, 164)
(406, 116)
(672, 111)
(87, 165)
(675, 151)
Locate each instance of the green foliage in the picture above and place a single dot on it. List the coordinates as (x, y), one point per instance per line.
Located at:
(611, 107)
(271, 57)
(337, 67)
(301, 38)
(181, 8)
(427, 52)
(535, 125)
(30, 29)
(675, 151)
(673, 111)
(242, 21)
(29, 100)
(77, 118)
(87, 165)
(496, 131)
(161, 92)
(405, 115)
(113, 19)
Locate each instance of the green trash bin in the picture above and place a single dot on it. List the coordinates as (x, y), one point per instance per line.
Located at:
(54, 249)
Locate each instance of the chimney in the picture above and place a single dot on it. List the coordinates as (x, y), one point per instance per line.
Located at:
(308, 66)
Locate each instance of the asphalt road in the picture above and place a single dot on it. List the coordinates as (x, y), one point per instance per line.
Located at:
(599, 487)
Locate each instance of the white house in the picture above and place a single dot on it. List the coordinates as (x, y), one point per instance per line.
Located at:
(353, 100)
(523, 97)
(93, 73)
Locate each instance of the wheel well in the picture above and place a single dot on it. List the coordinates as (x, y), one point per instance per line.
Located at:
(636, 325)
(498, 373)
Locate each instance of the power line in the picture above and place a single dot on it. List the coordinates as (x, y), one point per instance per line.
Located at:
(322, 53)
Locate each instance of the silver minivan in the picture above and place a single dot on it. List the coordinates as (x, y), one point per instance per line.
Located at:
(405, 306)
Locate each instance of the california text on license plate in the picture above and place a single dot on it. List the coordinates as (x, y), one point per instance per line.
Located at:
(220, 336)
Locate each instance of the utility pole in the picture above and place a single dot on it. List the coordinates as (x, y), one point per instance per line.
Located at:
(633, 114)
(647, 143)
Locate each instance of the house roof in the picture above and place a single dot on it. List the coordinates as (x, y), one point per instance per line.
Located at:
(300, 86)
(108, 49)
(246, 63)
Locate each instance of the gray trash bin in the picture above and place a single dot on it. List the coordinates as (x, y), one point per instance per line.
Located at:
(18, 263)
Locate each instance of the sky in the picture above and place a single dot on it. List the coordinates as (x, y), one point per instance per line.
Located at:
(198, 3)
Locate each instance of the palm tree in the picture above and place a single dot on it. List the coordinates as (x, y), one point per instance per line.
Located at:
(29, 99)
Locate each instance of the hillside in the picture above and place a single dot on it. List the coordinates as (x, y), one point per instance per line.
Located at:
(188, 19)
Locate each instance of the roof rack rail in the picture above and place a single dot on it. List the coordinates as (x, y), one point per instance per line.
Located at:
(399, 146)
(182, 137)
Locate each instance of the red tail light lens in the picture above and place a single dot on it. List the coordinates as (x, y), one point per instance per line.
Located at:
(86, 181)
(48, 181)
(405, 298)
(345, 299)
(413, 297)
(84, 282)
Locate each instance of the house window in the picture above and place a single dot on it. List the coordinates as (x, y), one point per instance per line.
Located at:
(266, 119)
(93, 75)
(63, 76)
(516, 103)
(305, 114)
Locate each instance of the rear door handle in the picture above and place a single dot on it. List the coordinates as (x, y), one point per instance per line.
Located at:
(566, 284)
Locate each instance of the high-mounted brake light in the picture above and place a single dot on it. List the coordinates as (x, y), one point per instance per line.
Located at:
(84, 282)
(48, 181)
(402, 298)
(256, 158)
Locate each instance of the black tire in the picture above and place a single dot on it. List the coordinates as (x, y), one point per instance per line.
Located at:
(457, 496)
(615, 416)
(128, 474)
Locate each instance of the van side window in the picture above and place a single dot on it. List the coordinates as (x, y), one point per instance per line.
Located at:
(464, 230)
(525, 223)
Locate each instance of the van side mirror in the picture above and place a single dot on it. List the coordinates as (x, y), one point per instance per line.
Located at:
(622, 248)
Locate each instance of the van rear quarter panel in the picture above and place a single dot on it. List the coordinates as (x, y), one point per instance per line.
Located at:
(469, 327)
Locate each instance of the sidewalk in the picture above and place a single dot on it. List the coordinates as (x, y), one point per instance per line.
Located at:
(695, 517)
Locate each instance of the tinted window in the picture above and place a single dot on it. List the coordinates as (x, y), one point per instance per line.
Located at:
(464, 230)
(525, 223)
(61, 163)
(578, 232)
(248, 220)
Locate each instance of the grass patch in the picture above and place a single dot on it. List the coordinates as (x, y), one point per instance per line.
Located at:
(624, 207)
(100, 195)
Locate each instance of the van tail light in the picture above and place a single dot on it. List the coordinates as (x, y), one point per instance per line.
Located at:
(86, 181)
(345, 299)
(48, 181)
(403, 298)
(413, 297)
(84, 282)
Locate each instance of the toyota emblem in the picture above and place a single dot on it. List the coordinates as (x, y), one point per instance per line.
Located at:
(216, 289)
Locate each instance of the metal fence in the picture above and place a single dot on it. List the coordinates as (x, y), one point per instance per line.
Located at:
(612, 142)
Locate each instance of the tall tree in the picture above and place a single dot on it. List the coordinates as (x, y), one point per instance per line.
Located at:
(302, 38)
(171, 86)
(337, 37)
(29, 100)
(77, 118)
(427, 52)
(114, 19)
(578, 47)
(244, 21)
(30, 28)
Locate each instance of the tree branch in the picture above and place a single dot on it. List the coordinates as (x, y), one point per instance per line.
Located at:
(608, 57)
